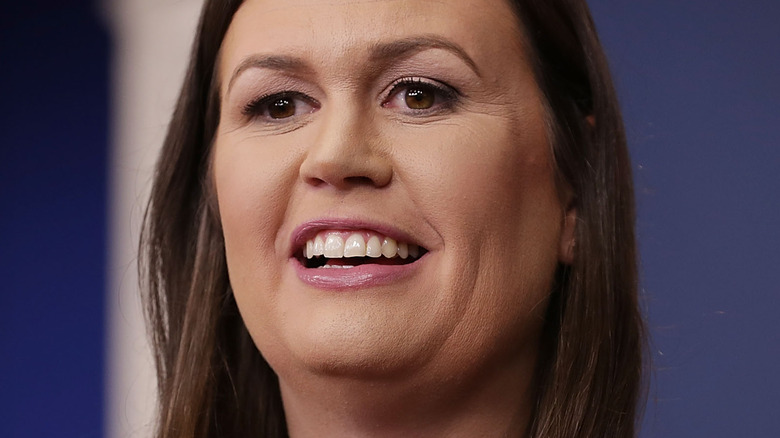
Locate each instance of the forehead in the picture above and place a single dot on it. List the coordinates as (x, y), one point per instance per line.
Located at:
(324, 30)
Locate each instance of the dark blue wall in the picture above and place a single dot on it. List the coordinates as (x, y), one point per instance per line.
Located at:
(699, 84)
(53, 147)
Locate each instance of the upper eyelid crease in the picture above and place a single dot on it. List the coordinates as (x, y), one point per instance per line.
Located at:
(251, 109)
(265, 99)
(448, 93)
(426, 82)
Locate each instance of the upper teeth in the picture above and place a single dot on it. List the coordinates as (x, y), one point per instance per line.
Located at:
(333, 245)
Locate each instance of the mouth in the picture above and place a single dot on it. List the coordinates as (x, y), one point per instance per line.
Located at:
(344, 249)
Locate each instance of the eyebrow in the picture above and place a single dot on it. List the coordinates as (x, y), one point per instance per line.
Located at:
(409, 46)
(380, 52)
(271, 62)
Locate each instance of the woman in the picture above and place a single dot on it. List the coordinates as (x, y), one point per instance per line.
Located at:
(395, 218)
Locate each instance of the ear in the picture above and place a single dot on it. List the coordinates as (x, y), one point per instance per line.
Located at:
(566, 248)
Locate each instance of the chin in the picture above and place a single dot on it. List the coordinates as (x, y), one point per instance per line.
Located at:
(359, 343)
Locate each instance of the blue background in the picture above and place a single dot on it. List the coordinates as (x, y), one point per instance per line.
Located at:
(698, 81)
(53, 170)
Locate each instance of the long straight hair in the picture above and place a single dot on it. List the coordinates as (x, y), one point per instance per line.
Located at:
(212, 380)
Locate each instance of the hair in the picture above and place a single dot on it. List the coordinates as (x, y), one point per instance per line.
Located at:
(212, 380)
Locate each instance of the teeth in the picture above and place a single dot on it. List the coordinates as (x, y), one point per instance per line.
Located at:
(389, 248)
(403, 250)
(319, 247)
(355, 246)
(374, 247)
(332, 245)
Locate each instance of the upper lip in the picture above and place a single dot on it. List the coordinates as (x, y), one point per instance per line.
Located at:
(308, 230)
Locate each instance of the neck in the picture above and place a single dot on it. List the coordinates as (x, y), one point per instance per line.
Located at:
(494, 402)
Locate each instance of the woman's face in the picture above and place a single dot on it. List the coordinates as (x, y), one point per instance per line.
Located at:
(368, 131)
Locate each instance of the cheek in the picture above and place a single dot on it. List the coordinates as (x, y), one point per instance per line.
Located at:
(252, 193)
(484, 177)
(488, 186)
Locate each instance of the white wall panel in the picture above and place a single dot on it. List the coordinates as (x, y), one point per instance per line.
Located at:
(151, 39)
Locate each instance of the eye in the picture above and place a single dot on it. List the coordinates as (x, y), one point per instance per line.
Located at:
(279, 106)
(420, 96)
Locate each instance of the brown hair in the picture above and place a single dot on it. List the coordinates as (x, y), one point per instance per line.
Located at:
(212, 380)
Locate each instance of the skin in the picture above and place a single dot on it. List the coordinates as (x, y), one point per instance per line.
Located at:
(449, 350)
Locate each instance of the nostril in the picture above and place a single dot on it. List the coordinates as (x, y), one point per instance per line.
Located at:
(316, 182)
(359, 181)
(349, 181)
(345, 170)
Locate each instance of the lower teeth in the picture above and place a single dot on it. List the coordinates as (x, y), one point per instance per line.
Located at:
(335, 266)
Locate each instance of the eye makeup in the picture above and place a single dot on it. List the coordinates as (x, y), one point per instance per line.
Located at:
(420, 96)
(414, 88)
(279, 106)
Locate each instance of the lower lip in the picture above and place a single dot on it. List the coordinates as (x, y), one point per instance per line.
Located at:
(362, 276)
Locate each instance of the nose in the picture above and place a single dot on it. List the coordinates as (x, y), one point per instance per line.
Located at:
(346, 152)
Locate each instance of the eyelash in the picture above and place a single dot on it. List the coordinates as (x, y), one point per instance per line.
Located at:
(445, 97)
(259, 106)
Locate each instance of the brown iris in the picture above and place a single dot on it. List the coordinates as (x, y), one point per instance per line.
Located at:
(418, 98)
(281, 108)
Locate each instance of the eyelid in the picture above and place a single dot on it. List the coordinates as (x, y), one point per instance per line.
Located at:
(255, 107)
(449, 93)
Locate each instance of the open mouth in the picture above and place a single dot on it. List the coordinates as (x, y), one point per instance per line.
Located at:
(348, 249)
